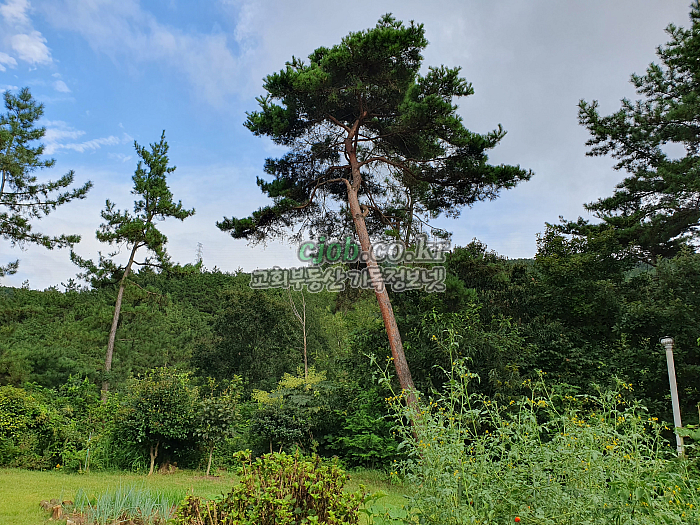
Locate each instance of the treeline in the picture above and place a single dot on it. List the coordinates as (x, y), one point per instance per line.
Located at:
(576, 312)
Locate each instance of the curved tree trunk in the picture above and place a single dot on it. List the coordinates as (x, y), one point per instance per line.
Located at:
(358, 217)
(115, 323)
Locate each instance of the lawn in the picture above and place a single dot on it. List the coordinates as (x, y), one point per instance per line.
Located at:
(21, 491)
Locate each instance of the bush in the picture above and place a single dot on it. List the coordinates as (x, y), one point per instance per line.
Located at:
(279, 489)
(160, 411)
(365, 439)
(546, 459)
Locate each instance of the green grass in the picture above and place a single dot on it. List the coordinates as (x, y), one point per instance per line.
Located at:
(21, 491)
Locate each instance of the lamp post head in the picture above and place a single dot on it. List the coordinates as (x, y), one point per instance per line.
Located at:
(667, 342)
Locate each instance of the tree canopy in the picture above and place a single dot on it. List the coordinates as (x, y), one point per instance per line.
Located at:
(365, 98)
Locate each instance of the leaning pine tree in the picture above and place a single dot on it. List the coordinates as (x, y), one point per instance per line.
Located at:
(137, 230)
(372, 142)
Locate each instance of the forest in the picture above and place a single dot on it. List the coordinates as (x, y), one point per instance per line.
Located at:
(535, 388)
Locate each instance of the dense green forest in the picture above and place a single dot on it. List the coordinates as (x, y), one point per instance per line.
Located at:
(514, 318)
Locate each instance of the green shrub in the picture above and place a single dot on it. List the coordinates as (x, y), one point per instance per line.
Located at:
(365, 437)
(160, 411)
(545, 459)
(285, 426)
(279, 489)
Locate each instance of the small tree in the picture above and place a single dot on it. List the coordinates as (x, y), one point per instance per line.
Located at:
(373, 144)
(22, 198)
(136, 231)
(217, 415)
(160, 410)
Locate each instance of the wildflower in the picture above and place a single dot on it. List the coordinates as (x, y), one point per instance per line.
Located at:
(517, 519)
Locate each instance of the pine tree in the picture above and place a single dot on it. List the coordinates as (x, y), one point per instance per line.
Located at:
(654, 211)
(372, 144)
(22, 197)
(137, 231)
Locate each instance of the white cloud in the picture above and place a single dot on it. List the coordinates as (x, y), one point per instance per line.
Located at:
(119, 156)
(31, 48)
(92, 144)
(59, 132)
(15, 12)
(55, 135)
(6, 60)
(61, 86)
(27, 43)
(123, 30)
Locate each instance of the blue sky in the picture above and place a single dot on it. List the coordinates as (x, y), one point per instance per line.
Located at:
(113, 71)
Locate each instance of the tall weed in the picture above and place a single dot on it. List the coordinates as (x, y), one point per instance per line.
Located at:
(545, 458)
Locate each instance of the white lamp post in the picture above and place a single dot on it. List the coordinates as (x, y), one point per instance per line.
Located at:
(668, 345)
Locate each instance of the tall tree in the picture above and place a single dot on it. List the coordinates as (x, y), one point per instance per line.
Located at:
(22, 198)
(256, 337)
(656, 209)
(155, 203)
(373, 143)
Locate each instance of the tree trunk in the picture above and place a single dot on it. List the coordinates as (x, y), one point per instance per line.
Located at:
(154, 455)
(211, 453)
(392, 330)
(358, 217)
(115, 323)
(303, 325)
(302, 320)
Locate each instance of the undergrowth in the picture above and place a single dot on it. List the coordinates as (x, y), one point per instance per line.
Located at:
(545, 459)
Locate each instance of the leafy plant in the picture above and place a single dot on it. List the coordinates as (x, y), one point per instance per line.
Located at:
(160, 410)
(366, 438)
(289, 414)
(279, 489)
(217, 415)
